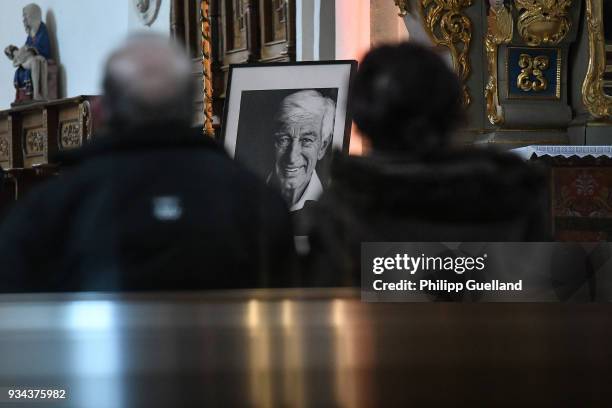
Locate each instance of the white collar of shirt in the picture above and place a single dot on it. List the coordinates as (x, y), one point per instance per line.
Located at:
(313, 191)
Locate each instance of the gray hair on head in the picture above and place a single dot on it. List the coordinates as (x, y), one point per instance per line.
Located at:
(310, 103)
(148, 80)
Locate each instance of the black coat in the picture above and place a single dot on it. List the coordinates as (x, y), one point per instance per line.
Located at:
(454, 196)
(155, 209)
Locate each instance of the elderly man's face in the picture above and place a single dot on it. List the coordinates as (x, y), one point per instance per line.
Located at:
(298, 147)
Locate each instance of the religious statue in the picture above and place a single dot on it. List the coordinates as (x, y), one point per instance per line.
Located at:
(31, 59)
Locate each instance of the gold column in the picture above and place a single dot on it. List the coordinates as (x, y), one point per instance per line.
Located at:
(207, 67)
(593, 96)
(499, 31)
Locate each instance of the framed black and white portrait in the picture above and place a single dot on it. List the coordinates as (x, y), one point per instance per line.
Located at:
(283, 122)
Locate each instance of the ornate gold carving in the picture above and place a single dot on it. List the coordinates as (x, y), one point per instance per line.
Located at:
(532, 96)
(70, 134)
(499, 31)
(593, 96)
(448, 26)
(5, 149)
(35, 142)
(403, 6)
(543, 21)
(207, 67)
(532, 67)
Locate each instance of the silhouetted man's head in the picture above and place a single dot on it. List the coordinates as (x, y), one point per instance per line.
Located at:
(405, 97)
(146, 81)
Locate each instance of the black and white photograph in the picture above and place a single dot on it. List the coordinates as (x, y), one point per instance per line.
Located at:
(287, 134)
(291, 151)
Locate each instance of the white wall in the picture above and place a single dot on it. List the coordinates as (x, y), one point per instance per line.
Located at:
(83, 32)
(315, 30)
(352, 28)
(304, 30)
(386, 26)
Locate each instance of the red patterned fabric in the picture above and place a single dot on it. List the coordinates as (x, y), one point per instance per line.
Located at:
(582, 192)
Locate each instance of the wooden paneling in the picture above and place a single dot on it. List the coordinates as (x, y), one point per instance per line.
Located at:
(6, 141)
(30, 134)
(34, 137)
(278, 30)
(243, 31)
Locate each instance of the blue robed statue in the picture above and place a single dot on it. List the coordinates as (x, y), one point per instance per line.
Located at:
(31, 60)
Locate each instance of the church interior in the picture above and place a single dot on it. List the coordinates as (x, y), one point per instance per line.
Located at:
(534, 85)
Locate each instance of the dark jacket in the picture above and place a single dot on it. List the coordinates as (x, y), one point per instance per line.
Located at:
(456, 196)
(153, 209)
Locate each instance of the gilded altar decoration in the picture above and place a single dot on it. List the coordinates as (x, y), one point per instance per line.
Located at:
(532, 77)
(499, 31)
(448, 26)
(35, 142)
(403, 6)
(593, 96)
(207, 67)
(543, 22)
(70, 134)
(534, 73)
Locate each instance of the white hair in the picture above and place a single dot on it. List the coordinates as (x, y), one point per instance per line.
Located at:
(312, 103)
(148, 79)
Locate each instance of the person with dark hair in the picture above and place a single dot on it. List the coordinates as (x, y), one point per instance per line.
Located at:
(150, 204)
(607, 18)
(416, 185)
(405, 98)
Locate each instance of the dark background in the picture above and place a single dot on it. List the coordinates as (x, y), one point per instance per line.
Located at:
(255, 143)
(607, 20)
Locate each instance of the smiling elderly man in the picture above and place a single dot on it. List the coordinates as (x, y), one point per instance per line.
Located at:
(304, 130)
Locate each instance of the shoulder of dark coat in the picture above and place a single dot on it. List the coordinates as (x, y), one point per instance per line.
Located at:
(475, 183)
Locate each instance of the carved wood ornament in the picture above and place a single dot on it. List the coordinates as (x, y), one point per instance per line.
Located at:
(449, 26)
(598, 103)
(500, 28)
